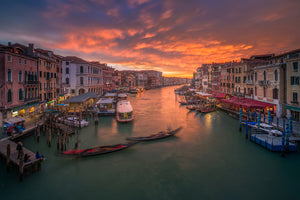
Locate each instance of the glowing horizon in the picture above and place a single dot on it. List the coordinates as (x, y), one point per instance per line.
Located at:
(169, 36)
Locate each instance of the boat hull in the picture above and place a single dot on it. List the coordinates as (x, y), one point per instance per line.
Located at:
(157, 136)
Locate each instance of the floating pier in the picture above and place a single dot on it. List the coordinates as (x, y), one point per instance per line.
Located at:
(8, 150)
(272, 143)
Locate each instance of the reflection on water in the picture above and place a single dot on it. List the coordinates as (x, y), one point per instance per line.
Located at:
(208, 159)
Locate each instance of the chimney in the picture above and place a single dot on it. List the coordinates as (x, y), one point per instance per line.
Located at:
(9, 44)
(30, 49)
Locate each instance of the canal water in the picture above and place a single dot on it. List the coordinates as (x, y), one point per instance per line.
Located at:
(208, 159)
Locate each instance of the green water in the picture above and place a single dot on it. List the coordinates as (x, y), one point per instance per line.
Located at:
(208, 159)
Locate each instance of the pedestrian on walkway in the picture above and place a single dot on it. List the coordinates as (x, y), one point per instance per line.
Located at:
(19, 148)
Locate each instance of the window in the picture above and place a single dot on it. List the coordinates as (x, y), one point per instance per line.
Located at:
(40, 86)
(20, 76)
(295, 66)
(265, 92)
(67, 63)
(81, 80)
(297, 80)
(295, 97)
(265, 75)
(25, 62)
(9, 75)
(276, 75)
(8, 58)
(20, 94)
(255, 91)
(81, 69)
(9, 96)
(20, 61)
(67, 70)
(72, 91)
(275, 93)
(54, 75)
(41, 74)
(67, 81)
(51, 75)
(292, 80)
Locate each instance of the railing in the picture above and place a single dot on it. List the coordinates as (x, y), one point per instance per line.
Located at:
(249, 82)
(30, 82)
(295, 102)
(263, 83)
(32, 99)
(48, 89)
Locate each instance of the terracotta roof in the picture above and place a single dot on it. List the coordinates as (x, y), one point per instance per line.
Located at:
(75, 59)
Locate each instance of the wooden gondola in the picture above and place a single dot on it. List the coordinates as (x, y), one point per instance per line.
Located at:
(97, 150)
(207, 110)
(160, 135)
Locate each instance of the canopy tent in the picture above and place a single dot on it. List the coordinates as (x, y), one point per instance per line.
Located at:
(203, 94)
(246, 103)
(219, 95)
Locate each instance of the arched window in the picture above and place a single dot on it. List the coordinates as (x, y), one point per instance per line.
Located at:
(81, 69)
(265, 92)
(81, 80)
(9, 75)
(20, 94)
(67, 81)
(9, 96)
(20, 76)
(275, 93)
(265, 75)
(276, 75)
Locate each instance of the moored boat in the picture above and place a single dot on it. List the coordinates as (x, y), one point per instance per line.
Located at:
(124, 111)
(106, 106)
(160, 135)
(98, 150)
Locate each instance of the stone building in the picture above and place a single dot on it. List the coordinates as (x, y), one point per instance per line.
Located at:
(18, 82)
(292, 105)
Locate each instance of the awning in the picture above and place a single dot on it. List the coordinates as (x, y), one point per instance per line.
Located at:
(294, 108)
(24, 106)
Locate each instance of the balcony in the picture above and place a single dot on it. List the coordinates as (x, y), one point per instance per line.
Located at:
(48, 89)
(30, 100)
(31, 82)
(295, 103)
(264, 83)
(249, 82)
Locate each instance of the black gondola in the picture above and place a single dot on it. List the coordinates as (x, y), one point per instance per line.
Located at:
(160, 135)
(98, 150)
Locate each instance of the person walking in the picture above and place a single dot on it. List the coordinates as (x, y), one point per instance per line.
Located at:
(19, 148)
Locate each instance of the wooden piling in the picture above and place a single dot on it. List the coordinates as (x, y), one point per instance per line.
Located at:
(8, 156)
(21, 166)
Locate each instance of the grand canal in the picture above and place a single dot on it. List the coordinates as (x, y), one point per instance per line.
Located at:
(208, 159)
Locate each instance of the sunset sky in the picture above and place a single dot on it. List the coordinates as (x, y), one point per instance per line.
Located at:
(172, 36)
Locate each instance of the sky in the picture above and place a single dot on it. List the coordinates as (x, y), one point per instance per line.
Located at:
(172, 36)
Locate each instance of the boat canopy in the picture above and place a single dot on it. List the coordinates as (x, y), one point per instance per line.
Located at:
(105, 101)
(122, 95)
(203, 94)
(14, 120)
(108, 95)
(124, 107)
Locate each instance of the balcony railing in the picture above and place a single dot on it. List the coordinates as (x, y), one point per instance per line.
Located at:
(294, 102)
(249, 82)
(31, 99)
(263, 83)
(31, 82)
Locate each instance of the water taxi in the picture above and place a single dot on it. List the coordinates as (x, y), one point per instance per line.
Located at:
(124, 111)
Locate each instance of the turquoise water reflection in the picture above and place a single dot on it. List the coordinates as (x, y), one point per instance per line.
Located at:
(208, 159)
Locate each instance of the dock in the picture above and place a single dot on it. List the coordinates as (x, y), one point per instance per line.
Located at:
(272, 143)
(31, 166)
